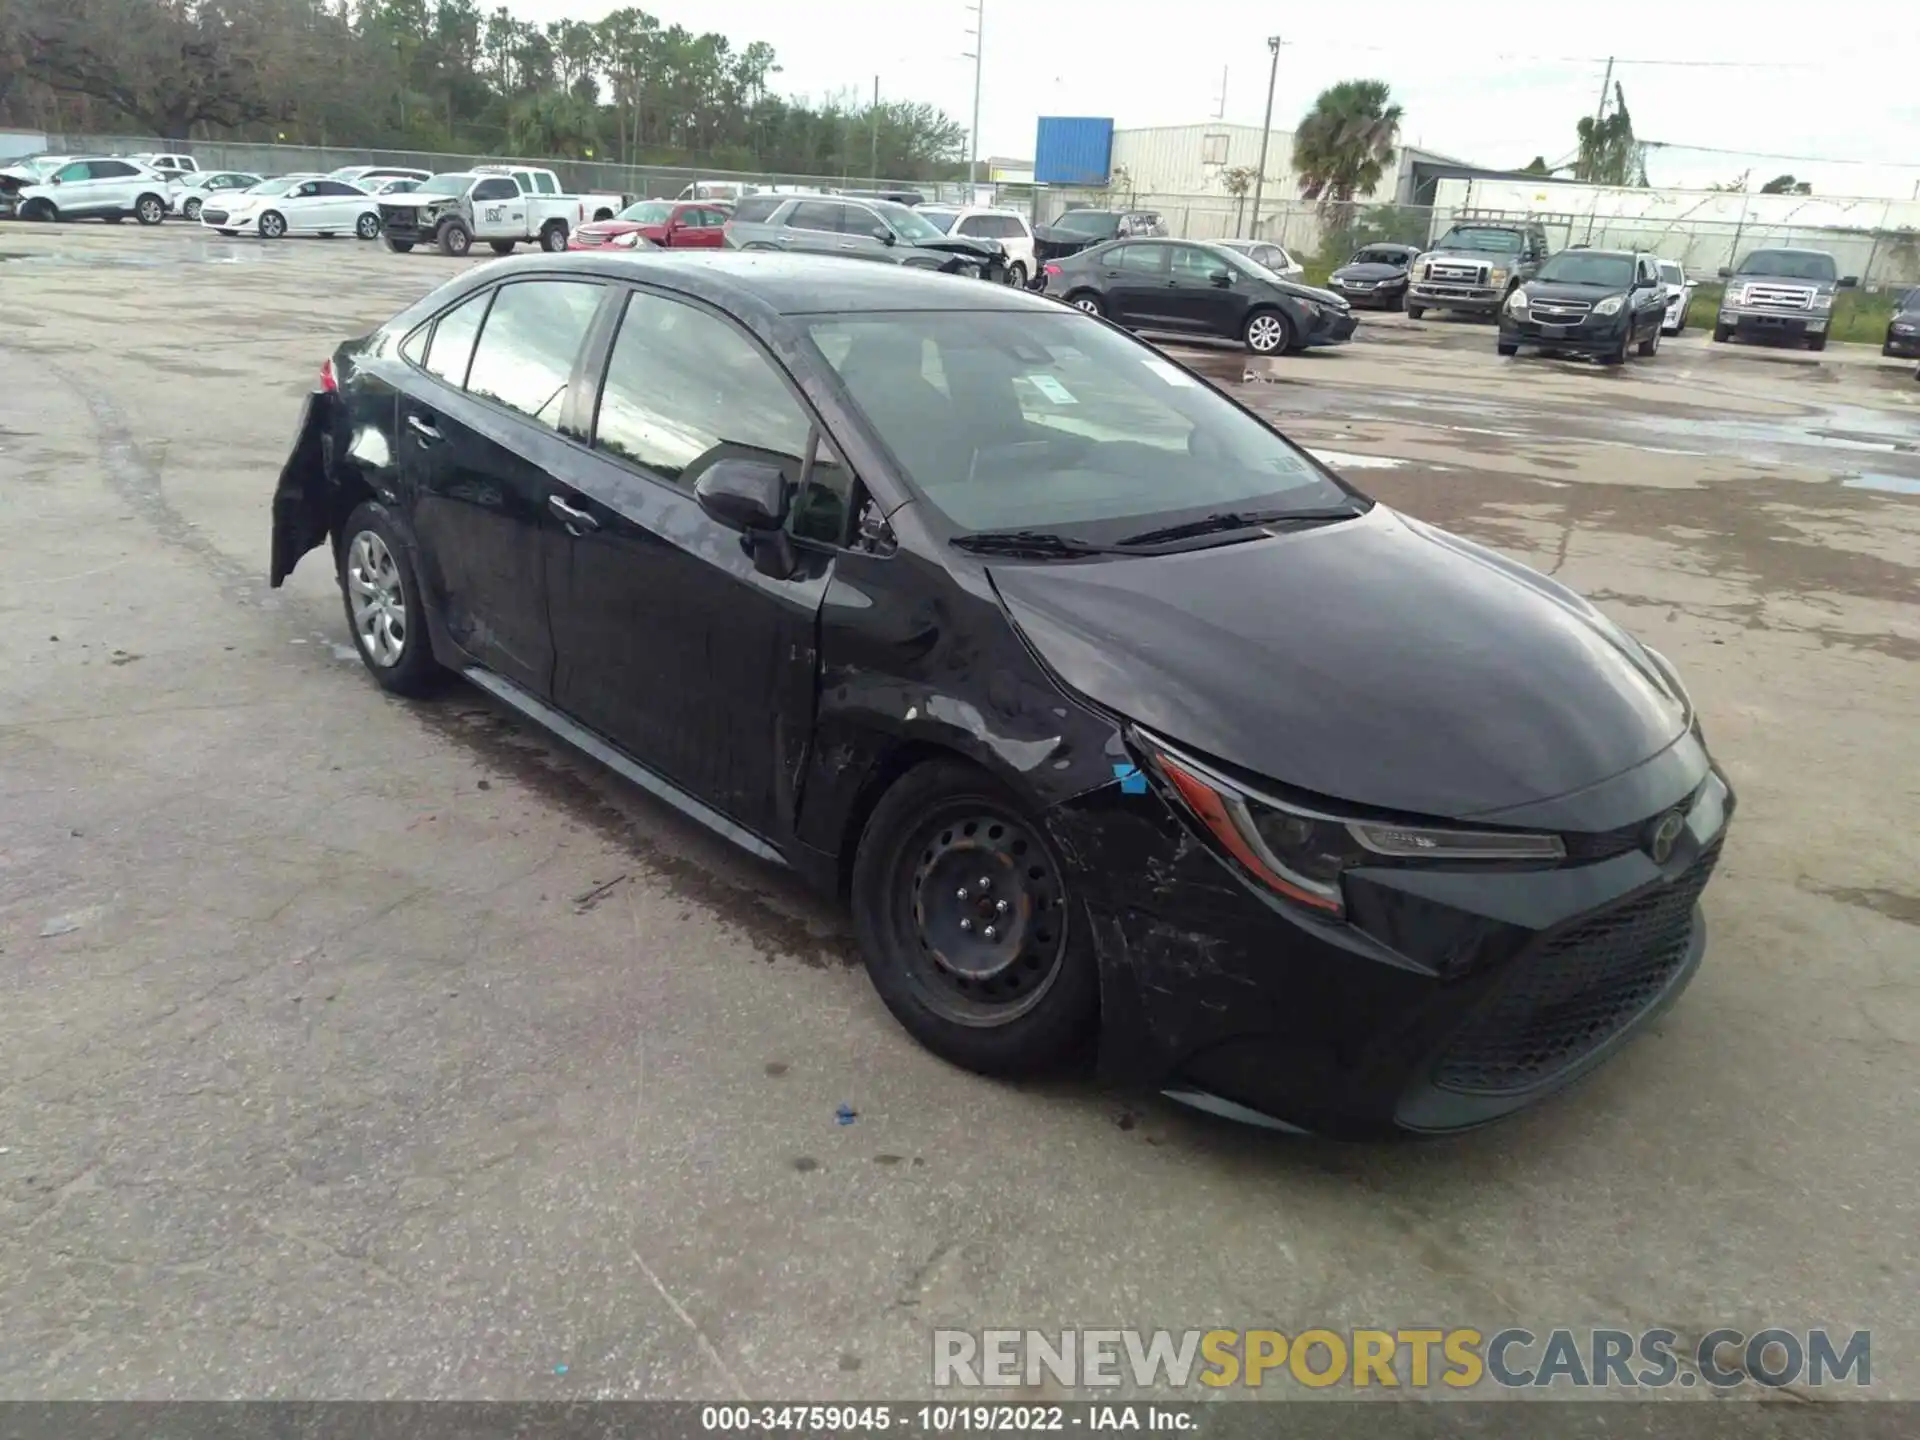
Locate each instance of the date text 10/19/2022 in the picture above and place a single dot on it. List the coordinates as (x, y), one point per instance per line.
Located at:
(943, 1419)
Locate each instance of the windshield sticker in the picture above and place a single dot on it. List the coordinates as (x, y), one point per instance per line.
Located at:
(1172, 374)
(1052, 389)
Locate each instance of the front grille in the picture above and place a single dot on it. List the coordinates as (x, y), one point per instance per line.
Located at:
(1576, 991)
(1358, 284)
(399, 220)
(1780, 297)
(213, 217)
(1455, 273)
(1560, 312)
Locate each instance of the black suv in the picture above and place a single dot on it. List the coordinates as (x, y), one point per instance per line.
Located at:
(1599, 303)
(1079, 230)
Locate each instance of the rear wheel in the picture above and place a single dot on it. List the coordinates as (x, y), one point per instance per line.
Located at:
(149, 209)
(190, 209)
(383, 603)
(1267, 332)
(553, 236)
(1414, 312)
(399, 247)
(967, 926)
(1086, 300)
(1818, 342)
(1722, 334)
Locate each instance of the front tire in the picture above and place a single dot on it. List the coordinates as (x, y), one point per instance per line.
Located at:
(455, 239)
(1722, 334)
(1506, 348)
(149, 209)
(967, 927)
(1650, 346)
(1267, 332)
(273, 225)
(43, 212)
(1017, 275)
(384, 610)
(190, 210)
(399, 247)
(553, 236)
(1819, 342)
(1414, 312)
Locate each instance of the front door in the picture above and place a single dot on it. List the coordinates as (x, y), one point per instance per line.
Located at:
(1135, 278)
(697, 227)
(499, 210)
(478, 452)
(816, 225)
(1194, 300)
(670, 641)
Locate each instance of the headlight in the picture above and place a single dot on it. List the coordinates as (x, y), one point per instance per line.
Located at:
(1497, 277)
(1302, 853)
(1823, 302)
(1737, 295)
(627, 239)
(1610, 306)
(1517, 303)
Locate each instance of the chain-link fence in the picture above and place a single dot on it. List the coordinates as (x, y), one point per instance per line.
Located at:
(639, 181)
(1885, 258)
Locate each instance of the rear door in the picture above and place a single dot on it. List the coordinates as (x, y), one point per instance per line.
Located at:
(814, 225)
(670, 641)
(480, 438)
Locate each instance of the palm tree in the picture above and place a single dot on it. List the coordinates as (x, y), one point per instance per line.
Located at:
(1344, 144)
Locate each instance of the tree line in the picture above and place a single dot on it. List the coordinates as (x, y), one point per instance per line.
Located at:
(442, 75)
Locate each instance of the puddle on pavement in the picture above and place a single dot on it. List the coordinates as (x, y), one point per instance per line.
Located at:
(1891, 484)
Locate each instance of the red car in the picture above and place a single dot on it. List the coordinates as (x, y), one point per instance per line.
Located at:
(673, 224)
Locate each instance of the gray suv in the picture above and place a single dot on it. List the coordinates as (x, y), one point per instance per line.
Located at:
(1782, 294)
(863, 230)
(1475, 266)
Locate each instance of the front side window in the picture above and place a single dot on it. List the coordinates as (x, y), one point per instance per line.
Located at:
(495, 190)
(1190, 262)
(1050, 421)
(546, 184)
(67, 174)
(683, 387)
(452, 184)
(909, 224)
(528, 346)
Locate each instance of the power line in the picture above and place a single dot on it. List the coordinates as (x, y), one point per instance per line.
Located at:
(1774, 155)
(1576, 59)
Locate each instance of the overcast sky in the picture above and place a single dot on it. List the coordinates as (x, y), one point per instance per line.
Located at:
(1827, 80)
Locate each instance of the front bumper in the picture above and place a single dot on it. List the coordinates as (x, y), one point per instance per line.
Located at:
(1379, 297)
(1795, 324)
(1593, 335)
(1448, 999)
(1472, 299)
(1902, 344)
(1332, 327)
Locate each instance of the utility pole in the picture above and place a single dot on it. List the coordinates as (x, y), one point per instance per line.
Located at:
(979, 8)
(1266, 132)
(1599, 114)
(1220, 110)
(873, 165)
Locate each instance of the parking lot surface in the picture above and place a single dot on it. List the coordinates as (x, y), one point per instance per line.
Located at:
(356, 1048)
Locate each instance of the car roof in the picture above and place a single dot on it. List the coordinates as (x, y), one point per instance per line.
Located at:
(785, 284)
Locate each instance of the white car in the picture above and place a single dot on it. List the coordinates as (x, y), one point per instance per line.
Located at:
(104, 187)
(168, 165)
(1673, 279)
(188, 193)
(295, 205)
(1270, 256)
(370, 177)
(1009, 227)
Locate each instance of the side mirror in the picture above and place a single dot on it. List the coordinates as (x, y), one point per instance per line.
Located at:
(744, 495)
(883, 235)
(1848, 282)
(53, 179)
(1725, 273)
(1222, 278)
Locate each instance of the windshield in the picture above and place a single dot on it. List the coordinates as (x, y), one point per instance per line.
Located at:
(42, 167)
(907, 224)
(1011, 420)
(1589, 267)
(1671, 273)
(454, 184)
(1790, 264)
(1379, 257)
(1475, 237)
(941, 220)
(1101, 224)
(345, 172)
(269, 187)
(1239, 260)
(647, 212)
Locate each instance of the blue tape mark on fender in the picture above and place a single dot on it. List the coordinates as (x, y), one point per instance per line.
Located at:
(1132, 782)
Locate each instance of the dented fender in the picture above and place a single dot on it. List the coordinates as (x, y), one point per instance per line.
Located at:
(302, 501)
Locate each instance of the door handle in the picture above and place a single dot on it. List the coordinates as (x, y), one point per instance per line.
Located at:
(425, 430)
(578, 522)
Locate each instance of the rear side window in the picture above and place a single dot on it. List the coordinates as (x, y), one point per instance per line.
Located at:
(683, 385)
(452, 345)
(546, 185)
(816, 215)
(527, 348)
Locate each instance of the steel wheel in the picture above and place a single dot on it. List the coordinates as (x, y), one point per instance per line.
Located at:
(983, 899)
(1267, 333)
(378, 602)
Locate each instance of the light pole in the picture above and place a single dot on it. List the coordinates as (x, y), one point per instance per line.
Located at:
(979, 8)
(1266, 132)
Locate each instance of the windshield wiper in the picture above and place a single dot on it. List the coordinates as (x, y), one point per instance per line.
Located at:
(1225, 520)
(1037, 544)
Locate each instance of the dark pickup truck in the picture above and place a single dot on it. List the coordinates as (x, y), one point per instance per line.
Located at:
(1475, 266)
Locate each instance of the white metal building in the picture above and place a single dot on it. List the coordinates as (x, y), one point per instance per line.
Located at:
(1194, 159)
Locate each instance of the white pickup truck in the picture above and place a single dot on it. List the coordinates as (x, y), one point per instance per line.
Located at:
(503, 205)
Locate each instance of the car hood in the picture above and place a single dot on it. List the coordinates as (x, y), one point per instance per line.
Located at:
(963, 245)
(1504, 258)
(1377, 661)
(1306, 292)
(417, 201)
(1568, 290)
(605, 229)
(1370, 272)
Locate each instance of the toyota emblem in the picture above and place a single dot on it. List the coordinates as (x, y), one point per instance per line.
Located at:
(1666, 831)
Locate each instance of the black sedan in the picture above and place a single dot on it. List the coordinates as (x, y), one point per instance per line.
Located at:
(1903, 330)
(1598, 303)
(1192, 287)
(1376, 276)
(1116, 716)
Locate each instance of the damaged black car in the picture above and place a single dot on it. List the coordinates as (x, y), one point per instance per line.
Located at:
(1123, 725)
